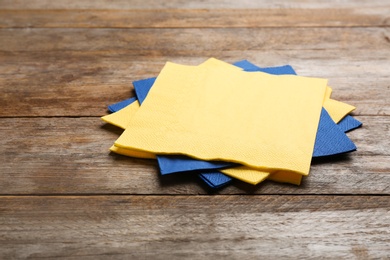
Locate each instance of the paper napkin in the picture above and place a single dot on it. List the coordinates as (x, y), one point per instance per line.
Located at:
(122, 104)
(330, 138)
(269, 130)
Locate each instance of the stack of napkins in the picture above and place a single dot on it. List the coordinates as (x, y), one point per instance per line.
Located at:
(235, 121)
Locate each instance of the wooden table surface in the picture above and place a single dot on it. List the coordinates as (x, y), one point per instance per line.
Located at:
(62, 194)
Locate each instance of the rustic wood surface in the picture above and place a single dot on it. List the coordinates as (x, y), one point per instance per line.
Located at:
(62, 194)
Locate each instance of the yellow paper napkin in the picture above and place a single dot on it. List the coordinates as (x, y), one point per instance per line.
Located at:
(337, 110)
(122, 117)
(246, 174)
(269, 124)
(132, 153)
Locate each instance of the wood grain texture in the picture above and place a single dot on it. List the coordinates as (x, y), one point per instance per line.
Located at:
(63, 195)
(70, 156)
(189, 18)
(185, 4)
(198, 227)
(193, 41)
(78, 72)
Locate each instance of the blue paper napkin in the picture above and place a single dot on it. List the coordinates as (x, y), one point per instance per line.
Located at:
(142, 87)
(181, 163)
(215, 179)
(349, 123)
(121, 104)
(280, 70)
(330, 138)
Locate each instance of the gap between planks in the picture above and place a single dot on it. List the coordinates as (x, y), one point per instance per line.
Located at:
(69, 195)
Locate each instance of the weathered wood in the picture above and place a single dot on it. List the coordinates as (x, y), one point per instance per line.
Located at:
(193, 41)
(189, 18)
(73, 83)
(196, 227)
(70, 156)
(186, 4)
(62, 194)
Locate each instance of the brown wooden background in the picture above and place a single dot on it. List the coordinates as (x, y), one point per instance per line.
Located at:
(62, 194)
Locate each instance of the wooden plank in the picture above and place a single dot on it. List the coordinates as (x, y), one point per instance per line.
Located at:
(192, 41)
(184, 4)
(56, 73)
(89, 90)
(70, 156)
(202, 18)
(196, 227)
(62, 194)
